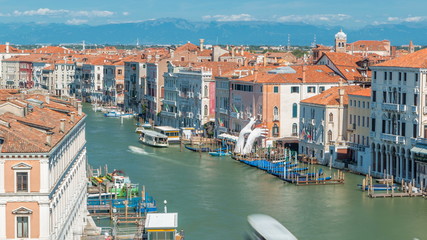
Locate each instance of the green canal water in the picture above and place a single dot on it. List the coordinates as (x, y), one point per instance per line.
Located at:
(214, 196)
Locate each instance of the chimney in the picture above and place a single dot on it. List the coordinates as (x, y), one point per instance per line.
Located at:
(62, 126)
(265, 59)
(304, 69)
(47, 99)
(232, 51)
(202, 41)
(73, 117)
(79, 108)
(49, 138)
(7, 47)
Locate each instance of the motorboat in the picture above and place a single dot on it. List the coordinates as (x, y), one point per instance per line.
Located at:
(153, 138)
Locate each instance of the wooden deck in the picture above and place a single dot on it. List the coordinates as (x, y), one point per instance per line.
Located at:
(398, 194)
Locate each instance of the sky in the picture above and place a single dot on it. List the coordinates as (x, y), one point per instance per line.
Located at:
(352, 14)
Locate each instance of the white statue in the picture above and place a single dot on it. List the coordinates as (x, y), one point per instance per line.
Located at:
(241, 140)
(256, 133)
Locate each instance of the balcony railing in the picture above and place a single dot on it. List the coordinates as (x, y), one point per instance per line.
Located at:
(223, 111)
(393, 107)
(414, 109)
(169, 102)
(169, 114)
(234, 115)
(393, 138)
(421, 141)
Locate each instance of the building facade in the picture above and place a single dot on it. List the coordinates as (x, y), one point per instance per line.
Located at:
(42, 168)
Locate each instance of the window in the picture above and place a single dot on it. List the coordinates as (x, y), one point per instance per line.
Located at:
(294, 129)
(350, 119)
(404, 98)
(374, 96)
(22, 227)
(311, 89)
(373, 125)
(415, 99)
(358, 120)
(321, 89)
(363, 121)
(351, 102)
(295, 110)
(384, 96)
(206, 92)
(275, 114)
(329, 136)
(400, 76)
(367, 122)
(403, 132)
(404, 76)
(275, 130)
(375, 74)
(385, 75)
(276, 89)
(22, 181)
(363, 104)
(294, 89)
(206, 110)
(416, 77)
(390, 75)
(415, 130)
(331, 117)
(358, 104)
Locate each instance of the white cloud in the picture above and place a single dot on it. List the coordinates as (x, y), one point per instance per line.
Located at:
(414, 19)
(125, 13)
(75, 21)
(314, 18)
(94, 13)
(229, 18)
(41, 12)
(58, 12)
(392, 19)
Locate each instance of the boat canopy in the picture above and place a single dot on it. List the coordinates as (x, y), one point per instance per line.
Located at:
(269, 228)
(153, 133)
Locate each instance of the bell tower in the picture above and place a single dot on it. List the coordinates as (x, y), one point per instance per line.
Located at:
(340, 42)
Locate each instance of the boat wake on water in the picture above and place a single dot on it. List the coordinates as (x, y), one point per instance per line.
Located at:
(137, 150)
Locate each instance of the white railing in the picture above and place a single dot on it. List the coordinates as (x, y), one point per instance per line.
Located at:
(393, 107)
(169, 114)
(393, 138)
(169, 102)
(414, 109)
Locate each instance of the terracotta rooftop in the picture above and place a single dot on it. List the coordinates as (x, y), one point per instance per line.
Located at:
(331, 96)
(313, 74)
(417, 59)
(188, 47)
(3, 48)
(369, 45)
(27, 133)
(366, 92)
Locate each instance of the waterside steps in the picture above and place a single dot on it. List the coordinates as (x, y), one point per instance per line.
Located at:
(388, 189)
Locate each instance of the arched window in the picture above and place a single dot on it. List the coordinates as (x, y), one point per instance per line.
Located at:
(331, 117)
(294, 110)
(275, 130)
(329, 136)
(206, 92)
(294, 129)
(206, 110)
(275, 114)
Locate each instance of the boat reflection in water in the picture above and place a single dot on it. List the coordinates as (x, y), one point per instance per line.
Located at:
(265, 227)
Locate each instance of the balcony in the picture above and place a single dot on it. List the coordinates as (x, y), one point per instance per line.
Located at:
(393, 107)
(393, 138)
(223, 111)
(372, 134)
(373, 105)
(168, 114)
(234, 115)
(414, 109)
(169, 102)
(173, 88)
(421, 141)
(358, 147)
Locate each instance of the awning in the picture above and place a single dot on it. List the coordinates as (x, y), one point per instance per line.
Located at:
(419, 150)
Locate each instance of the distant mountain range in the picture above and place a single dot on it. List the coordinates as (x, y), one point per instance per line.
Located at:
(179, 31)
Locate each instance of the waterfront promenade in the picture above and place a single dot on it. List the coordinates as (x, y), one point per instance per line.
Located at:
(213, 196)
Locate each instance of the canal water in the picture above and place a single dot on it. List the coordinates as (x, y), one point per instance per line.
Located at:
(214, 196)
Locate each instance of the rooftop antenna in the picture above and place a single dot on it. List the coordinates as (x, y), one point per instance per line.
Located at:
(314, 41)
(289, 42)
(83, 45)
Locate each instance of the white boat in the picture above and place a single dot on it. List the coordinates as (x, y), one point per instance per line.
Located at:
(170, 132)
(266, 227)
(113, 114)
(153, 138)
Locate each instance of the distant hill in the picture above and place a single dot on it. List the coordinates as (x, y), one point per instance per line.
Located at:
(179, 31)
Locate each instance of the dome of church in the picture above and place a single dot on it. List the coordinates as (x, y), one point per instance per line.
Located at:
(341, 35)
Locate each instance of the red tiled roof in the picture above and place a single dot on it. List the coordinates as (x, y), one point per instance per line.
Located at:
(366, 92)
(417, 59)
(187, 47)
(313, 74)
(331, 96)
(369, 45)
(25, 134)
